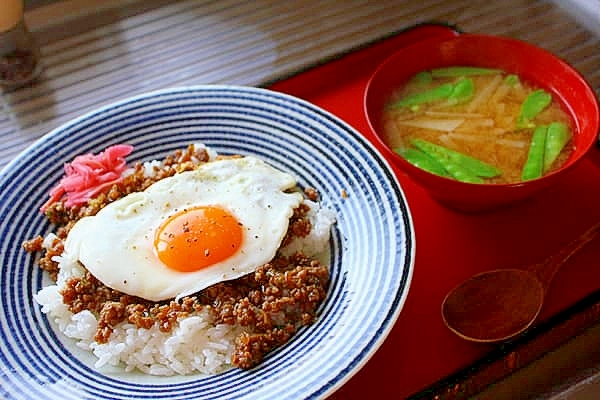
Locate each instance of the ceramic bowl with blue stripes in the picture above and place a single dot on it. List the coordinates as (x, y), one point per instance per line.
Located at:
(372, 243)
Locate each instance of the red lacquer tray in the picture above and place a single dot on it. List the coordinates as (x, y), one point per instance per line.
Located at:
(421, 357)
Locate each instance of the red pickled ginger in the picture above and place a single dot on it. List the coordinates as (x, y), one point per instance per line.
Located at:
(88, 175)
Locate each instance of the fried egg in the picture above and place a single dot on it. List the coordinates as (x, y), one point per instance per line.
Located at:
(189, 231)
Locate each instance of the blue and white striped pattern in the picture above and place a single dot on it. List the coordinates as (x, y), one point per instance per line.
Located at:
(372, 244)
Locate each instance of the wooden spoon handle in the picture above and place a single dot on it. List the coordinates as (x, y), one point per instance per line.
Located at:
(546, 270)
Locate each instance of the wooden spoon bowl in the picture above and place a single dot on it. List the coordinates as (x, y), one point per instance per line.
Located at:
(493, 306)
(497, 305)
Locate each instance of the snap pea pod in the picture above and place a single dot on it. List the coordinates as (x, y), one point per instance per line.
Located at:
(455, 170)
(557, 137)
(437, 93)
(463, 91)
(533, 167)
(450, 72)
(475, 166)
(511, 80)
(422, 78)
(532, 106)
(459, 172)
(421, 160)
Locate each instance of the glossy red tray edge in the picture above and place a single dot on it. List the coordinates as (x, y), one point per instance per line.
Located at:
(455, 369)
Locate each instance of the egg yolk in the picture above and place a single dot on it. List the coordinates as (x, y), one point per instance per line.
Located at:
(197, 238)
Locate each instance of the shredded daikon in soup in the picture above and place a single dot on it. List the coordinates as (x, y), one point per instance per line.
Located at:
(485, 114)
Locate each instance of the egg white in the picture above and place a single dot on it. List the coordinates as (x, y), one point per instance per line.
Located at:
(117, 244)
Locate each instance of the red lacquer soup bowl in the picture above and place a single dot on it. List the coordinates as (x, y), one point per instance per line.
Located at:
(534, 65)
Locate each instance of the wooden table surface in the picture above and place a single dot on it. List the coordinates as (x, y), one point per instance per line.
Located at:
(96, 54)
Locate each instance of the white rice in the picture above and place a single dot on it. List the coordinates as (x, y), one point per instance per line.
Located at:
(315, 243)
(194, 345)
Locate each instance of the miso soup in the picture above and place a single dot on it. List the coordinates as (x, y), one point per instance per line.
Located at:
(513, 130)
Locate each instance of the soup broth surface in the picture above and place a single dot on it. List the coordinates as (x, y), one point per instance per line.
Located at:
(483, 126)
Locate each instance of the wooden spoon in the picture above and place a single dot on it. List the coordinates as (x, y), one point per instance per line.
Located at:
(497, 305)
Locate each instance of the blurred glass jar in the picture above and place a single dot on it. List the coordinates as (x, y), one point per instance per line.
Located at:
(19, 54)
